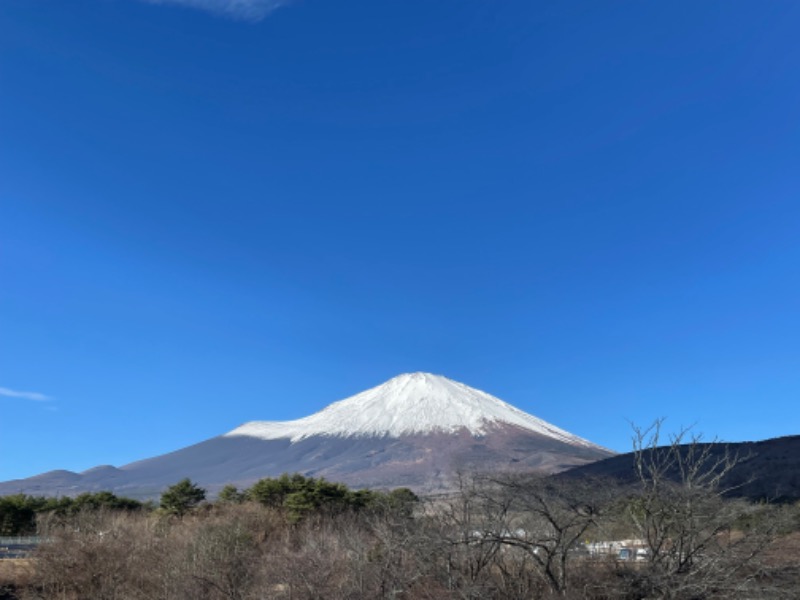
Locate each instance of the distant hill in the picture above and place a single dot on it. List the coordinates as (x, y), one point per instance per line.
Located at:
(767, 470)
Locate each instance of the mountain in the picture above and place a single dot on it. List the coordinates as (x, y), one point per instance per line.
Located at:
(416, 430)
(768, 470)
(411, 404)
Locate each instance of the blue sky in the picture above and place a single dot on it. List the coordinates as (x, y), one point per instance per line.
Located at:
(213, 212)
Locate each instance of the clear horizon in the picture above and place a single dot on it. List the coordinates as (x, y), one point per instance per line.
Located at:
(214, 212)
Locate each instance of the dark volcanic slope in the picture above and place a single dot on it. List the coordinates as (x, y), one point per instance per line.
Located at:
(768, 470)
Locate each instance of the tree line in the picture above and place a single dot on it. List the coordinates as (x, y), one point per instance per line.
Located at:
(295, 495)
(19, 512)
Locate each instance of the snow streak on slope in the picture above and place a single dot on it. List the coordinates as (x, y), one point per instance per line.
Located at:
(409, 404)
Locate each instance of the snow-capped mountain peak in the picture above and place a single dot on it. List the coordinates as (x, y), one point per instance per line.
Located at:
(409, 404)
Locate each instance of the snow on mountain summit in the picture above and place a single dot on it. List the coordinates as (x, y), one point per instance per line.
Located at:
(412, 403)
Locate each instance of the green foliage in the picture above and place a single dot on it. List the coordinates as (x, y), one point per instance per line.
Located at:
(17, 515)
(301, 496)
(230, 495)
(402, 501)
(273, 492)
(105, 500)
(18, 512)
(182, 497)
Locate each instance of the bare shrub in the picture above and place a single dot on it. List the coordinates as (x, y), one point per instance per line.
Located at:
(89, 556)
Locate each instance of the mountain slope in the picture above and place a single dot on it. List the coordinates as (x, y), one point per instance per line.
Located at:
(767, 470)
(415, 430)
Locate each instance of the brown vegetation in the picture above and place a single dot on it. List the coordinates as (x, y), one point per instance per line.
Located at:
(498, 537)
(493, 540)
(15, 574)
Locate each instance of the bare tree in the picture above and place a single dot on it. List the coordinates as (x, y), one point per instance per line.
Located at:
(548, 519)
(687, 525)
(514, 526)
(462, 526)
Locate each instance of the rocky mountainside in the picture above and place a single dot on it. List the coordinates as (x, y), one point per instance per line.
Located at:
(416, 430)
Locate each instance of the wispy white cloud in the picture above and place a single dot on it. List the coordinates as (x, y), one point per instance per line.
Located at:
(249, 10)
(35, 396)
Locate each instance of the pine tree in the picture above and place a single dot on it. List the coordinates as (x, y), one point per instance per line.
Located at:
(182, 497)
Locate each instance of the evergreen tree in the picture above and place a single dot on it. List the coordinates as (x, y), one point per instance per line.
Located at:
(231, 495)
(180, 498)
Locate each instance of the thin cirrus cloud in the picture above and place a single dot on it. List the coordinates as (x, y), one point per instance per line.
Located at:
(248, 10)
(35, 396)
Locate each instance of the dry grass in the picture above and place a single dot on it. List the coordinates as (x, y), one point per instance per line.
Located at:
(16, 571)
(784, 551)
